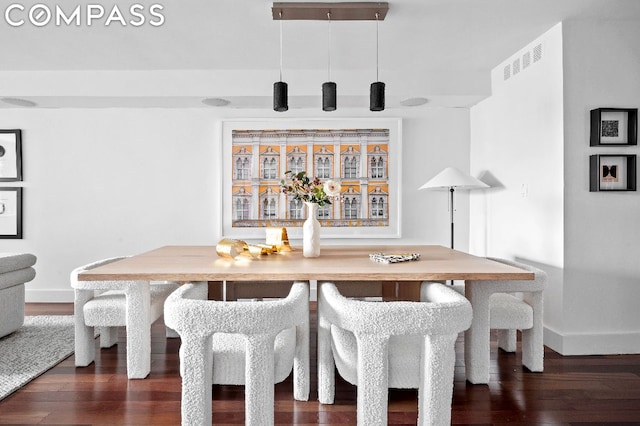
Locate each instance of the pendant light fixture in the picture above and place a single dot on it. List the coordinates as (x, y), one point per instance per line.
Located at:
(376, 92)
(329, 88)
(331, 11)
(280, 88)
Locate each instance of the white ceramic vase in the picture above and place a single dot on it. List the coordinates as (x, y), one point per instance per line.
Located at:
(311, 232)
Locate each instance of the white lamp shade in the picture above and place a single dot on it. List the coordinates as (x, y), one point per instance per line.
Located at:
(453, 178)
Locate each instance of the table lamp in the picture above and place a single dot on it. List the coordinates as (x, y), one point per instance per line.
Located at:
(452, 179)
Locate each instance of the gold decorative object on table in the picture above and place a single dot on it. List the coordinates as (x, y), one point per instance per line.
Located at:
(278, 237)
(231, 248)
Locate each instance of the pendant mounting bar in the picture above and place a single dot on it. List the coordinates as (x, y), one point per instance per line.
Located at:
(350, 11)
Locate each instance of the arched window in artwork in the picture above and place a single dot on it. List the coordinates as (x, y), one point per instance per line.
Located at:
(350, 208)
(239, 209)
(242, 208)
(374, 207)
(242, 168)
(296, 164)
(378, 205)
(350, 167)
(269, 168)
(377, 168)
(295, 209)
(269, 208)
(324, 168)
(381, 207)
(324, 212)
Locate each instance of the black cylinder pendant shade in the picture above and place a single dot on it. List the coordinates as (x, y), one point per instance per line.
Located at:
(280, 96)
(329, 96)
(376, 98)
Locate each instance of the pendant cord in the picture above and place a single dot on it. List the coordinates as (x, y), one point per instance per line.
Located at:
(280, 13)
(377, 47)
(329, 47)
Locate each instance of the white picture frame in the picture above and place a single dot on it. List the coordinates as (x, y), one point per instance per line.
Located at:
(389, 227)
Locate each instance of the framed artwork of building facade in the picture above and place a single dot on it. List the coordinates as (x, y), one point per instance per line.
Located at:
(363, 155)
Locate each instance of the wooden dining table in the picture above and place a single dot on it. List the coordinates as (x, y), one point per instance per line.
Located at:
(343, 263)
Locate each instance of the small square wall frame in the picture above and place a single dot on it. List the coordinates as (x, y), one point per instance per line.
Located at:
(614, 127)
(615, 172)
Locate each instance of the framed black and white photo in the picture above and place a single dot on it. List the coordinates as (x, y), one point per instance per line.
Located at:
(10, 213)
(614, 127)
(10, 155)
(612, 173)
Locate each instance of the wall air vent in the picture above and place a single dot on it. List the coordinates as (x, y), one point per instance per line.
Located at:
(537, 53)
(507, 72)
(520, 62)
(516, 66)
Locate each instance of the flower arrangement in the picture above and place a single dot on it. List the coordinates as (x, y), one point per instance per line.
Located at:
(310, 190)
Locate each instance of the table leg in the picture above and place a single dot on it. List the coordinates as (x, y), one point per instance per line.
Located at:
(476, 338)
(138, 330)
(408, 291)
(216, 290)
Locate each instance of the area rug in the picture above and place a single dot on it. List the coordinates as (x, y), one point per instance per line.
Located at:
(41, 343)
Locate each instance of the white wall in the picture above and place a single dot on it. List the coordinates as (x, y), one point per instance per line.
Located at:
(105, 182)
(517, 148)
(535, 130)
(602, 230)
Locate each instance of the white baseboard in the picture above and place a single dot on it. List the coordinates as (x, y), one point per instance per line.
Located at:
(49, 296)
(614, 343)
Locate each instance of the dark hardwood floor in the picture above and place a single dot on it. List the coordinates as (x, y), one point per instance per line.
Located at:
(578, 390)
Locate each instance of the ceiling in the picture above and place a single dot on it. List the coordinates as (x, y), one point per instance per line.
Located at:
(442, 50)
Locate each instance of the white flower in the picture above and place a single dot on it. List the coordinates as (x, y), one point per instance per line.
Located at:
(332, 188)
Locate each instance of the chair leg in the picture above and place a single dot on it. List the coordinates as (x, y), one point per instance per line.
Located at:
(533, 339)
(196, 365)
(301, 368)
(436, 380)
(476, 338)
(508, 340)
(85, 350)
(108, 336)
(259, 388)
(326, 364)
(373, 380)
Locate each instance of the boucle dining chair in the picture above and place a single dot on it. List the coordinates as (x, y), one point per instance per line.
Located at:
(506, 306)
(250, 343)
(109, 305)
(382, 345)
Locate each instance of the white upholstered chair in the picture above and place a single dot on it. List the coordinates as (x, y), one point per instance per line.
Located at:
(109, 305)
(381, 345)
(507, 306)
(250, 343)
